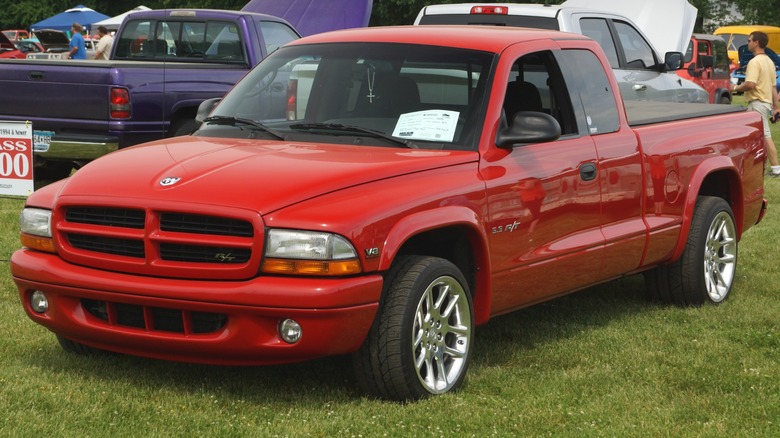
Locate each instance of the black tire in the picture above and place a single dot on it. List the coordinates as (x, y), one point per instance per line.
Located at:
(76, 348)
(181, 127)
(415, 350)
(707, 268)
(724, 100)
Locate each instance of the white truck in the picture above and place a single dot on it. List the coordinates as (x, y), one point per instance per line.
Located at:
(641, 72)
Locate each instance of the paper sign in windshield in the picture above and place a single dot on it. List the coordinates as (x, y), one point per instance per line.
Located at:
(429, 125)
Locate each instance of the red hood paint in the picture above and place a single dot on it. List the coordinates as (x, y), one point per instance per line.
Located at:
(260, 175)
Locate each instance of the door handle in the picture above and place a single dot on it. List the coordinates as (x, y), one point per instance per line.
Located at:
(36, 75)
(588, 171)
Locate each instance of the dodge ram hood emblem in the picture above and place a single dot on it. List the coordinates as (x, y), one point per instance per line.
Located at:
(169, 181)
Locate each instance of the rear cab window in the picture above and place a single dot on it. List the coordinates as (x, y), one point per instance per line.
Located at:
(181, 41)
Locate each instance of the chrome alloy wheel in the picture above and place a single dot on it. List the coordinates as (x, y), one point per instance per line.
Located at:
(720, 256)
(440, 335)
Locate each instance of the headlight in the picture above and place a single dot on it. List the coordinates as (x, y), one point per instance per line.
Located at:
(309, 253)
(35, 227)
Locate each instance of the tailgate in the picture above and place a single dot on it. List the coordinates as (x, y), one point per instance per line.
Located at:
(55, 89)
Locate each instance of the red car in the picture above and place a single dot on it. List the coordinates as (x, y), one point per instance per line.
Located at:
(707, 64)
(8, 49)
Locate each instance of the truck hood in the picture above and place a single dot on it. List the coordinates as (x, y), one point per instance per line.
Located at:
(262, 176)
(52, 40)
(667, 23)
(5, 43)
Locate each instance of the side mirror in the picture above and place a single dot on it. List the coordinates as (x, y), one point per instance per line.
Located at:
(708, 61)
(673, 61)
(205, 108)
(529, 127)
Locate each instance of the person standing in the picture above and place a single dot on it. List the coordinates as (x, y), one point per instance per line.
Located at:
(78, 49)
(761, 92)
(104, 44)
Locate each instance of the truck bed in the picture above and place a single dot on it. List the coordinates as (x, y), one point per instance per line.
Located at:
(646, 112)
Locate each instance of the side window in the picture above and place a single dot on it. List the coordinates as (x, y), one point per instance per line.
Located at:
(639, 54)
(584, 70)
(276, 35)
(598, 29)
(131, 41)
(536, 84)
(688, 53)
(702, 48)
(738, 40)
(721, 62)
(225, 43)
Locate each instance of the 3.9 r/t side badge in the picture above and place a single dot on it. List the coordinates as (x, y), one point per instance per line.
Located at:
(169, 181)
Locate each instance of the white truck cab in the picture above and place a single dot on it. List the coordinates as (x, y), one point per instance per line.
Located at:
(641, 73)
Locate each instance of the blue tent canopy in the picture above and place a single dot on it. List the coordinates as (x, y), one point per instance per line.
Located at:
(64, 20)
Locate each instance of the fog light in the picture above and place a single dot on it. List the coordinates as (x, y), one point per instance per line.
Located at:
(39, 302)
(290, 331)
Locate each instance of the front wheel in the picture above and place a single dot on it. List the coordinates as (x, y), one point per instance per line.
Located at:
(420, 342)
(708, 266)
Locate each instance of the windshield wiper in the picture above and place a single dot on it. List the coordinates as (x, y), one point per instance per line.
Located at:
(352, 129)
(236, 121)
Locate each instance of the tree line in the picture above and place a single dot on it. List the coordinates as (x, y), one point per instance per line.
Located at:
(20, 14)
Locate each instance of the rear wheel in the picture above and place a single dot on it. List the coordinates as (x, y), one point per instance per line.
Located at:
(707, 268)
(420, 342)
(724, 100)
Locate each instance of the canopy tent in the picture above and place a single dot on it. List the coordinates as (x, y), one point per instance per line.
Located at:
(64, 20)
(114, 22)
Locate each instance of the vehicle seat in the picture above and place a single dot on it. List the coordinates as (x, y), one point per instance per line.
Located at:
(393, 95)
(521, 96)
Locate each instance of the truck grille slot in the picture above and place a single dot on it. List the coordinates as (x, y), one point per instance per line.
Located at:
(107, 245)
(203, 254)
(155, 318)
(111, 217)
(198, 224)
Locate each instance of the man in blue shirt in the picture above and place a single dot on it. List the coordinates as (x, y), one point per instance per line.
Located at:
(78, 49)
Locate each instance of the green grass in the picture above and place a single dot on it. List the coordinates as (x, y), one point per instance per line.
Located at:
(601, 362)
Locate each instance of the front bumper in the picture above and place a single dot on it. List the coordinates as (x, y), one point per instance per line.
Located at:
(163, 318)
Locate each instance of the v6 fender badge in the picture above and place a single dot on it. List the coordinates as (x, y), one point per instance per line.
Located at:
(169, 181)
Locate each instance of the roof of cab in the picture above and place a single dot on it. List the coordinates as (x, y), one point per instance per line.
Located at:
(487, 38)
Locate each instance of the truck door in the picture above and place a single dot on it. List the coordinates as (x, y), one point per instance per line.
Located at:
(544, 198)
(619, 162)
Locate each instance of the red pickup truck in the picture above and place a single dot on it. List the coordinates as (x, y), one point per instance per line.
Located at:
(424, 180)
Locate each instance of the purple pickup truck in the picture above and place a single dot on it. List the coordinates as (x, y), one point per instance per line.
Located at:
(164, 63)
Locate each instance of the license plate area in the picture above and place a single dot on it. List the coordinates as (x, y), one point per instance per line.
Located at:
(42, 140)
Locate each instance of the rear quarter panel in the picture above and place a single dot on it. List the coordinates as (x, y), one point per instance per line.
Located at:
(721, 155)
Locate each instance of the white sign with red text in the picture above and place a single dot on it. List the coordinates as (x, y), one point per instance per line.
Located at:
(16, 158)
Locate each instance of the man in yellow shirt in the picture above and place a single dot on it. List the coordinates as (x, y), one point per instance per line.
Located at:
(761, 93)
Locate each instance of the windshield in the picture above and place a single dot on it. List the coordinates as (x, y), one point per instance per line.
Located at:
(393, 95)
